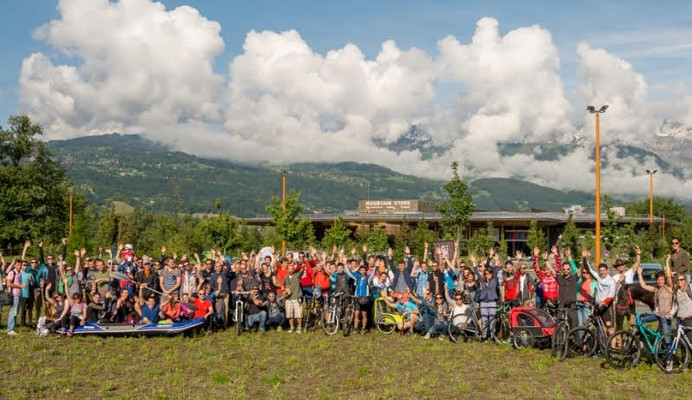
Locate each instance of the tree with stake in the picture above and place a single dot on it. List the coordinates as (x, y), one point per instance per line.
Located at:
(457, 211)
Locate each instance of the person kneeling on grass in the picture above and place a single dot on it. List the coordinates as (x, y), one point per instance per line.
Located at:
(148, 309)
(77, 313)
(255, 309)
(441, 321)
(275, 315)
(205, 309)
(171, 310)
(408, 310)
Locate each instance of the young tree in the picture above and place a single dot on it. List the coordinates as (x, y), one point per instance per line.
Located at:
(458, 209)
(570, 236)
(295, 231)
(481, 241)
(421, 235)
(338, 235)
(536, 236)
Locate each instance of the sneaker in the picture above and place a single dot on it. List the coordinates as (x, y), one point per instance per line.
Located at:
(669, 366)
(408, 333)
(290, 330)
(362, 331)
(279, 329)
(298, 331)
(427, 336)
(441, 338)
(12, 333)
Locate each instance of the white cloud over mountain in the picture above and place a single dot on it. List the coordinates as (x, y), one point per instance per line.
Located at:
(133, 66)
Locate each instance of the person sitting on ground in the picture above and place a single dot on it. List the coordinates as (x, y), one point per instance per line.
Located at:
(426, 310)
(77, 313)
(149, 309)
(441, 322)
(408, 310)
(57, 310)
(170, 312)
(205, 309)
(275, 315)
(124, 309)
(256, 309)
(95, 308)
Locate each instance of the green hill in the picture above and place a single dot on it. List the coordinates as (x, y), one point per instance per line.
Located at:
(138, 172)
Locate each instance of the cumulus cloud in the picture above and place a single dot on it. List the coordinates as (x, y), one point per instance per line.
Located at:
(134, 66)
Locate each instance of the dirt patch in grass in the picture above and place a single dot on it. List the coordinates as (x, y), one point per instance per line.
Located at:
(311, 365)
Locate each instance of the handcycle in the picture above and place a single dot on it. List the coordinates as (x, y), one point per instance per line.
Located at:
(623, 348)
(674, 357)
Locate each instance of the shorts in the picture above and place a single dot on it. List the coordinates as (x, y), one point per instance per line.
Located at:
(362, 303)
(294, 309)
(606, 313)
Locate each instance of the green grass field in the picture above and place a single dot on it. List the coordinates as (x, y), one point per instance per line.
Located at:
(310, 365)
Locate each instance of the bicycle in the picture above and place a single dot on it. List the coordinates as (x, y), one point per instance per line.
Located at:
(558, 342)
(349, 308)
(499, 331)
(239, 312)
(674, 357)
(587, 339)
(624, 347)
(311, 312)
(332, 315)
(464, 327)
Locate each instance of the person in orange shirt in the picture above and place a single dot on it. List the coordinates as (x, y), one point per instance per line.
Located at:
(321, 282)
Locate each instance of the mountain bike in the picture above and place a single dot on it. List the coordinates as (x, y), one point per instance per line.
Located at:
(674, 357)
(349, 311)
(624, 347)
(588, 339)
(558, 342)
(239, 312)
(464, 327)
(499, 331)
(312, 310)
(332, 315)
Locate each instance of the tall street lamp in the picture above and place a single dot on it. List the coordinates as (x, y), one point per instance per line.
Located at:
(651, 194)
(601, 110)
(283, 207)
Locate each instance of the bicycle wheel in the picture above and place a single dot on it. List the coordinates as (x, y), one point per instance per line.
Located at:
(558, 342)
(385, 324)
(672, 358)
(238, 322)
(455, 329)
(500, 330)
(348, 320)
(330, 322)
(623, 349)
(522, 339)
(581, 342)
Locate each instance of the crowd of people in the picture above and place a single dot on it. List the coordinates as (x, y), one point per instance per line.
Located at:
(45, 291)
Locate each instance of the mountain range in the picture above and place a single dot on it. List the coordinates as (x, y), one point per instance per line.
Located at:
(140, 173)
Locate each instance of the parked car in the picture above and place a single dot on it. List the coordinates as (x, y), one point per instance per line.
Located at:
(649, 271)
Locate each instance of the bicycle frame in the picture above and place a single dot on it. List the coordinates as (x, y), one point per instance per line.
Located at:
(647, 333)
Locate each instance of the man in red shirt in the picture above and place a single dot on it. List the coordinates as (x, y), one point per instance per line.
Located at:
(204, 309)
(546, 276)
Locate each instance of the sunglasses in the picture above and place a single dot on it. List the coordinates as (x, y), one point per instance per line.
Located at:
(682, 279)
(675, 242)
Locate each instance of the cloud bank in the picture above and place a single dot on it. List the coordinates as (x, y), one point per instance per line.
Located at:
(135, 67)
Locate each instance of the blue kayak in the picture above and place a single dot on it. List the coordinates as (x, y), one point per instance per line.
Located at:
(109, 329)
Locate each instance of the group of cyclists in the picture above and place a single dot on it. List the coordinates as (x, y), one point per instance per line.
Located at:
(47, 293)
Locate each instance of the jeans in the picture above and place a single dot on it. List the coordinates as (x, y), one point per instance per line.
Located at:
(583, 313)
(277, 320)
(425, 323)
(664, 325)
(488, 311)
(13, 313)
(260, 317)
(438, 328)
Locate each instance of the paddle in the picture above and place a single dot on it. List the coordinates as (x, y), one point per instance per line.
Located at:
(122, 276)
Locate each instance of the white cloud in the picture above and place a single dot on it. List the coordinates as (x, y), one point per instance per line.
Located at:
(137, 67)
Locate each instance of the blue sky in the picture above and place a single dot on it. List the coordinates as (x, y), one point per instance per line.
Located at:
(653, 36)
(244, 75)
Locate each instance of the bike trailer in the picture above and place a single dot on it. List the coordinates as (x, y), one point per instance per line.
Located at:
(536, 322)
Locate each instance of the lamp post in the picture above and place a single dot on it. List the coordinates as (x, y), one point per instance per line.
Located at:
(601, 110)
(651, 194)
(283, 206)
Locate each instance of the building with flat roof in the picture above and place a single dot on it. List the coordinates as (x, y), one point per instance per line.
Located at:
(392, 214)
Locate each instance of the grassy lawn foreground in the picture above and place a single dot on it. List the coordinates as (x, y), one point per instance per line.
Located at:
(313, 366)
